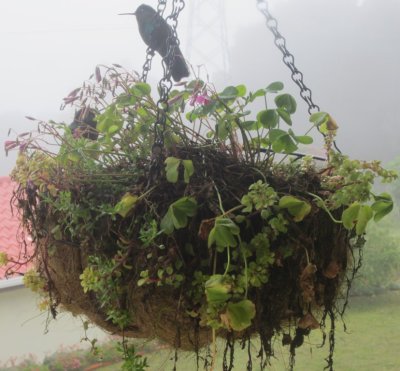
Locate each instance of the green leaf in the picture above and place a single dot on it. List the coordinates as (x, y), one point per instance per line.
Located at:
(274, 87)
(56, 232)
(223, 128)
(140, 89)
(258, 93)
(126, 204)
(178, 214)
(171, 169)
(275, 134)
(241, 90)
(126, 100)
(188, 170)
(382, 206)
(349, 215)
(299, 209)
(268, 118)
(282, 141)
(303, 139)
(217, 289)
(250, 125)
(319, 118)
(240, 314)
(358, 215)
(110, 121)
(364, 216)
(285, 116)
(223, 233)
(287, 102)
(228, 93)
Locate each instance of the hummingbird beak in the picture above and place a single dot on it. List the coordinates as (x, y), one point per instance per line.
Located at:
(127, 14)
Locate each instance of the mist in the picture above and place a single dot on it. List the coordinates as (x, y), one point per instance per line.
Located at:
(346, 49)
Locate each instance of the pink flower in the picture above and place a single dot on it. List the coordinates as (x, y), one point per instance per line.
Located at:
(75, 363)
(201, 99)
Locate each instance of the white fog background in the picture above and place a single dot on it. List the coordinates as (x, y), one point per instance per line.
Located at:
(348, 50)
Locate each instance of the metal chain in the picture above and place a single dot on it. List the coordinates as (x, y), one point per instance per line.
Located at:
(150, 52)
(165, 84)
(147, 64)
(288, 59)
(164, 88)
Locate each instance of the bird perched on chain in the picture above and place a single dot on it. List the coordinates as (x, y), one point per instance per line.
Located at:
(84, 124)
(159, 36)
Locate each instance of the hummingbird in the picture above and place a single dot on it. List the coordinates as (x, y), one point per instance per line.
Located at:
(158, 35)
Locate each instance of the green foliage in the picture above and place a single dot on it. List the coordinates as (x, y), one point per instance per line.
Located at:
(102, 277)
(129, 208)
(382, 206)
(357, 215)
(178, 214)
(260, 196)
(218, 289)
(132, 360)
(3, 259)
(34, 281)
(239, 315)
(299, 209)
(223, 233)
(381, 259)
(172, 169)
(126, 204)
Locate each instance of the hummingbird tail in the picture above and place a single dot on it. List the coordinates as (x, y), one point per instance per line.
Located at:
(179, 68)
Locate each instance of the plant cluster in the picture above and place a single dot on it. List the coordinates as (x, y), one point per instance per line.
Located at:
(223, 217)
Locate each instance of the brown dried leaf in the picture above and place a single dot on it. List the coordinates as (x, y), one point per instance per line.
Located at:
(307, 278)
(205, 228)
(225, 321)
(332, 270)
(331, 124)
(308, 321)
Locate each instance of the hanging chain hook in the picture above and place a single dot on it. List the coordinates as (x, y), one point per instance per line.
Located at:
(288, 59)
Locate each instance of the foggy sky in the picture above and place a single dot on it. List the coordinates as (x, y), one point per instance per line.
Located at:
(348, 51)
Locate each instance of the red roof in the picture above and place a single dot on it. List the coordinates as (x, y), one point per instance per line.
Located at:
(9, 227)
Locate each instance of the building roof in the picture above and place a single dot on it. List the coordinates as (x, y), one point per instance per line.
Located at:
(9, 227)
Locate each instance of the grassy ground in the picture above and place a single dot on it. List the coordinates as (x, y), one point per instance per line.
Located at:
(372, 343)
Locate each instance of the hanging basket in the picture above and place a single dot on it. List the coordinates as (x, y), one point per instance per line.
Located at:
(222, 229)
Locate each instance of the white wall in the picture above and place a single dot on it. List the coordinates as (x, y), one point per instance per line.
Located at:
(22, 327)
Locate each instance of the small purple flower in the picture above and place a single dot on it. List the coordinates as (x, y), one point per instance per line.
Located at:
(23, 146)
(201, 99)
(9, 145)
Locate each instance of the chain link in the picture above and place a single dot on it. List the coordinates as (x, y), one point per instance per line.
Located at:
(288, 59)
(150, 52)
(165, 84)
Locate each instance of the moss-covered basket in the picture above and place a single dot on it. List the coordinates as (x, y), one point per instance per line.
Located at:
(218, 230)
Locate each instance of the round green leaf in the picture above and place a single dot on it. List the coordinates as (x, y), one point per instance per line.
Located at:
(268, 118)
(287, 102)
(274, 87)
(240, 314)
